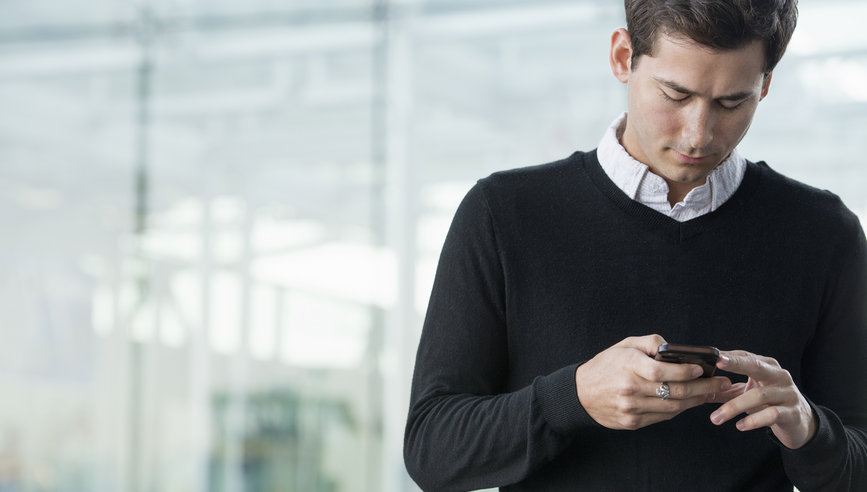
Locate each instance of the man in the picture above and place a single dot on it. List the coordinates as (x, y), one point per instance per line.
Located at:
(535, 368)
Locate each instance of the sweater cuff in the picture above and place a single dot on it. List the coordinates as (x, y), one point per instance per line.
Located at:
(558, 399)
(814, 460)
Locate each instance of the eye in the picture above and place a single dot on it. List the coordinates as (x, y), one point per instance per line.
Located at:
(734, 107)
(676, 98)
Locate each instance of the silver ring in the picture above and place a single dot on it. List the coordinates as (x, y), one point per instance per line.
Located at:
(663, 391)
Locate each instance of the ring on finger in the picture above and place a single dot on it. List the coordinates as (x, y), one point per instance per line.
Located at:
(663, 391)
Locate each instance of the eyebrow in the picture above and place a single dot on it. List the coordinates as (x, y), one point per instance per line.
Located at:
(738, 96)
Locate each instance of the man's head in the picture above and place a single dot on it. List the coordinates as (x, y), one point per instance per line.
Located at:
(696, 71)
(720, 25)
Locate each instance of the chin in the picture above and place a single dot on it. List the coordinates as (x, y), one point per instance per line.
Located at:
(687, 178)
(694, 179)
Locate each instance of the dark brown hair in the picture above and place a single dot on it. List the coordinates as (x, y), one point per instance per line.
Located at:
(721, 25)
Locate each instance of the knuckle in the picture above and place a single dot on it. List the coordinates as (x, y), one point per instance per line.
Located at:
(679, 391)
(626, 389)
(774, 413)
(655, 374)
(755, 364)
(630, 421)
(627, 406)
(678, 406)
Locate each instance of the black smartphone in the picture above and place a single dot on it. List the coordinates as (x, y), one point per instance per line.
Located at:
(706, 357)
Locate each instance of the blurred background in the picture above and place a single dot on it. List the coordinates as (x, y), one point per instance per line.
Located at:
(221, 220)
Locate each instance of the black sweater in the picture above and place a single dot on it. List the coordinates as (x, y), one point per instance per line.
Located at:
(545, 267)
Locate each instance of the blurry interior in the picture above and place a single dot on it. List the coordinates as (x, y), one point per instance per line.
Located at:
(221, 219)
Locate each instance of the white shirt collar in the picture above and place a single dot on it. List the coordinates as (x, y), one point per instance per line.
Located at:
(636, 180)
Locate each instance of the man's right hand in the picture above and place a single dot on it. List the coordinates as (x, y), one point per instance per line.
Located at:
(618, 387)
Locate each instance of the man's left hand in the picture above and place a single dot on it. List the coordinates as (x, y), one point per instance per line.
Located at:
(770, 397)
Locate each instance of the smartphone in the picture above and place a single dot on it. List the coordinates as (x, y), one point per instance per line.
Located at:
(706, 357)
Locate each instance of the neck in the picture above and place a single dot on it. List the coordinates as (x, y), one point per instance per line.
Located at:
(677, 191)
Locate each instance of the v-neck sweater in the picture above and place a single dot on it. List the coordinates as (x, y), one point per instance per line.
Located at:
(545, 267)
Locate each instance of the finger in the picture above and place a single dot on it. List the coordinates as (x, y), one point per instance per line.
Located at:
(653, 370)
(701, 387)
(648, 344)
(670, 407)
(641, 411)
(763, 369)
(753, 400)
(638, 421)
(766, 417)
(735, 391)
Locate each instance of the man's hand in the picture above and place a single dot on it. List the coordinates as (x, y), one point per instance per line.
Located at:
(770, 397)
(618, 387)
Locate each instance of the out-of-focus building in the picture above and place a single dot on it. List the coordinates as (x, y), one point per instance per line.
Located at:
(221, 220)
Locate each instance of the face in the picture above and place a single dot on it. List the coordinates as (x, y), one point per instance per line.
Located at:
(689, 107)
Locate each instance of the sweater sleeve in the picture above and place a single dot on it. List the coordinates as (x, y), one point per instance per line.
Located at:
(465, 429)
(835, 380)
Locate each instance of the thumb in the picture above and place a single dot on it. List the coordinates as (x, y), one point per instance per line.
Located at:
(648, 344)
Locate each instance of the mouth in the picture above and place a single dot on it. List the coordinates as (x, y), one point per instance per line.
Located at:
(690, 160)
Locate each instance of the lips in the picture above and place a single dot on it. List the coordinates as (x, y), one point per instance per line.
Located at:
(689, 160)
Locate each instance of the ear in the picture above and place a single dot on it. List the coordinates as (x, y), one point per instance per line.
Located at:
(620, 57)
(767, 85)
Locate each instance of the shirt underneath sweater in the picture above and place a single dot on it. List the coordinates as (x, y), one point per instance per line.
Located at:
(545, 267)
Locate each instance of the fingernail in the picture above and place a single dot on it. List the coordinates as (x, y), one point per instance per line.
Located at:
(740, 425)
(716, 417)
(698, 371)
(726, 385)
(725, 359)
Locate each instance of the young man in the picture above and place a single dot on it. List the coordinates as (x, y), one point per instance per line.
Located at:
(534, 370)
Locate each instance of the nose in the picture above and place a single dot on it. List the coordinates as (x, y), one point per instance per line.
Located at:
(698, 128)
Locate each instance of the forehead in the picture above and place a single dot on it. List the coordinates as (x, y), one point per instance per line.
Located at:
(702, 69)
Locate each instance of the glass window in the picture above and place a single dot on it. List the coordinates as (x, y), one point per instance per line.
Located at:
(222, 219)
